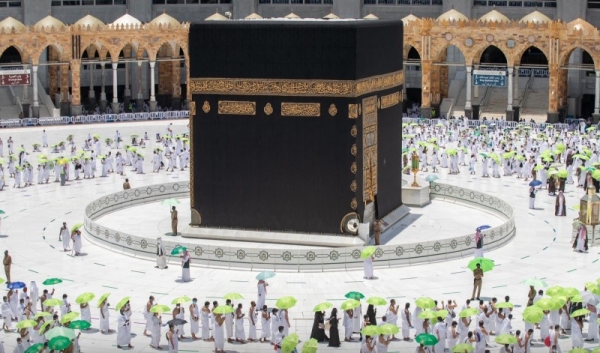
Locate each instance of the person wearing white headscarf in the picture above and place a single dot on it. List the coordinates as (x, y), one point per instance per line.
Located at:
(34, 296)
(161, 255)
(185, 267)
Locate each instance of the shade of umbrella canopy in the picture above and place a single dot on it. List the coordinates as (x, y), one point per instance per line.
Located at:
(84, 298)
(596, 350)
(176, 322)
(289, 343)
(350, 304)
(69, 317)
(15, 285)
(322, 307)
(578, 350)
(376, 301)
(53, 302)
(520, 158)
(555, 291)
(483, 227)
(286, 302)
(80, 325)
(596, 174)
(507, 155)
(103, 297)
(570, 292)
(232, 296)
(425, 303)
(310, 346)
(265, 275)
(533, 314)
(160, 309)
(182, 300)
(560, 300)
(59, 343)
(121, 303)
(36, 348)
(538, 167)
(484, 263)
(367, 252)
(223, 309)
(170, 202)
(431, 178)
(52, 281)
(495, 157)
(354, 295)
(505, 305)
(563, 173)
(580, 312)
(178, 250)
(76, 226)
(426, 339)
(506, 339)
(370, 331)
(468, 312)
(462, 348)
(41, 314)
(484, 154)
(577, 299)
(26, 324)
(60, 331)
(535, 183)
(388, 329)
(546, 304)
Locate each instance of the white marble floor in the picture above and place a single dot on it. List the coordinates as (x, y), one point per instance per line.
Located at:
(29, 231)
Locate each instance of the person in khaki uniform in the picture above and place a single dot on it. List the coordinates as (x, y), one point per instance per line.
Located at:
(174, 220)
(7, 263)
(477, 281)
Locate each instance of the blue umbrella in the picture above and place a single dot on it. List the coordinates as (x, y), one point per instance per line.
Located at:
(484, 227)
(431, 177)
(15, 285)
(265, 275)
(535, 183)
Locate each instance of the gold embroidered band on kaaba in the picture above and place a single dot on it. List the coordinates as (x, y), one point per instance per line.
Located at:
(282, 87)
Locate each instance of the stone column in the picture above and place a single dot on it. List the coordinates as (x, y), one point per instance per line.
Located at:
(152, 96)
(92, 93)
(553, 92)
(176, 83)
(475, 88)
(516, 91)
(140, 96)
(509, 106)
(53, 77)
(404, 83)
(468, 107)
(115, 100)
(127, 93)
(65, 105)
(596, 114)
(76, 108)
(103, 101)
(426, 66)
(35, 110)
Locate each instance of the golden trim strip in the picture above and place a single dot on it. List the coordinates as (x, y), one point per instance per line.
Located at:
(283, 87)
(237, 108)
(301, 109)
(390, 100)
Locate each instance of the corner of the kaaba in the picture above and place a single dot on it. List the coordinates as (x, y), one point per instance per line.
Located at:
(279, 140)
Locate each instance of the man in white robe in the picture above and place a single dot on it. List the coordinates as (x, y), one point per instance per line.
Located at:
(161, 258)
(262, 293)
(348, 324)
(124, 331)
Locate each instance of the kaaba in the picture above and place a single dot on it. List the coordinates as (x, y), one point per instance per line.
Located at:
(295, 124)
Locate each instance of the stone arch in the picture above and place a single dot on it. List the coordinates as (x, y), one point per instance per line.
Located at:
(22, 54)
(516, 59)
(408, 47)
(565, 54)
(439, 54)
(480, 51)
(115, 52)
(95, 45)
(35, 56)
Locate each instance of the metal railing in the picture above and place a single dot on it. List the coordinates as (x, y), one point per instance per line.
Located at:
(95, 119)
(475, 123)
(527, 90)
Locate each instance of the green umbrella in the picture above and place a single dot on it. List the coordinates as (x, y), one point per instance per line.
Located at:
(563, 173)
(350, 304)
(462, 348)
(560, 300)
(170, 202)
(538, 167)
(184, 299)
(580, 312)
(322, 307)
(555, 291)
(80, 325)
(160, 309)
(68, 317)
(533, 314)
(84, 298)
(370, 330)
(506, 339)
(426, 339)
(285, 302)
(52, 281)
(223, 309)
(232, 296)
(570, 292)
(178, 250)
(388, 329)
(27, 324)
(310, 346)
(121, 303)
(290, 342)
(41, 314)
(596, 350)
(367, 252)
(59, 343)
(425, 303)
(377, 301)
(36, 348)
(432, 314)
(135, 135)
(485, 264)
(45, 326)
(52, 302)
(468, 312)
(103, 297)
(578, 350)
(505, 305)
(60, 331)
(577, 299)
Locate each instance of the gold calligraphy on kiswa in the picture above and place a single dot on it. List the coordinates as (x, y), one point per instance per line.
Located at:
(301, 109)
(390, 100)
(237, 108)
(369, 148)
